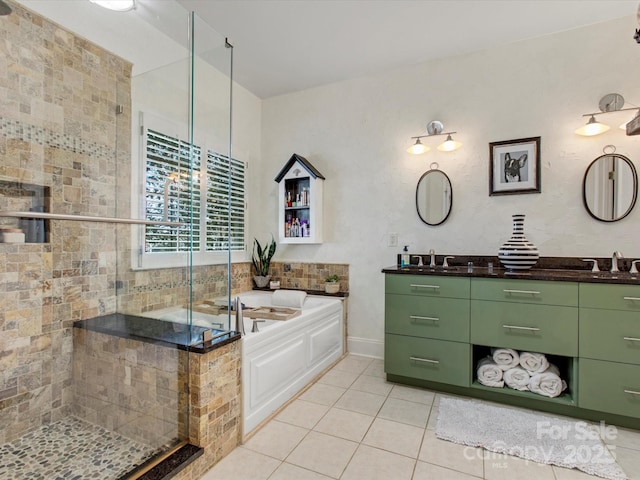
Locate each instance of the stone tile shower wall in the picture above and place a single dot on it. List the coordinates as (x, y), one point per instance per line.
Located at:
(58, 94)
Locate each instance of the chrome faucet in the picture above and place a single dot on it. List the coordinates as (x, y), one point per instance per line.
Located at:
(432, 264)
(614, 261)
(419, 257)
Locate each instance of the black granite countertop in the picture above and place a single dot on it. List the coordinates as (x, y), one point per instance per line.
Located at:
(563, 269)
(159, 332)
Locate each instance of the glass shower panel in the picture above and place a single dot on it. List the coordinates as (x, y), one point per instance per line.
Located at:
(211, 115)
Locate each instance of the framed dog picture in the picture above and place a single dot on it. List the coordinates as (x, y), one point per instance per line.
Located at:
(514, 166)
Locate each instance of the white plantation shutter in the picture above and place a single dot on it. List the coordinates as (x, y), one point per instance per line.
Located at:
(225, 208)
(217, 182)
(169, 158)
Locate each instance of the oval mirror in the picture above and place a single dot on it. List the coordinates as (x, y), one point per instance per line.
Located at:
(610, 187)
(434, 197)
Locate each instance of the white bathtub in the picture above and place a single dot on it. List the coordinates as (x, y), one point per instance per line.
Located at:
(284, 356)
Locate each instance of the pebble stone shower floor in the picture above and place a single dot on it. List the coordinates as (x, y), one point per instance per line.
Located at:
(71, 449)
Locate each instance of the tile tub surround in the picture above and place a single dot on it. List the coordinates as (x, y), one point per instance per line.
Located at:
(388, 433)
(308, 276)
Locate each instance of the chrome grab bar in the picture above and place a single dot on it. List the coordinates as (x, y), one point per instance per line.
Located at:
(529, 292)
(86, 218)
(515, 327)
(425, 360)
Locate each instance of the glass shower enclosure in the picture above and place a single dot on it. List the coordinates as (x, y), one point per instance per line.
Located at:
(121, 177)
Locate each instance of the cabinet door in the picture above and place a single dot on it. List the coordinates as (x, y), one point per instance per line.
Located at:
(433, 360)
(609, 387)
(614, 297)
(441, 318)
(610, 335)
(427, 285)
(525, 291)
(535, 328)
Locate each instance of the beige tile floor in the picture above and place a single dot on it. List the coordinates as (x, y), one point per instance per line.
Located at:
(354, 425)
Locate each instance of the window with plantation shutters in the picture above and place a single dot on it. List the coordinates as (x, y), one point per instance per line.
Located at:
(184, 181)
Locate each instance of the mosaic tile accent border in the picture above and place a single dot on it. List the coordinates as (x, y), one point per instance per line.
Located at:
(17, 130)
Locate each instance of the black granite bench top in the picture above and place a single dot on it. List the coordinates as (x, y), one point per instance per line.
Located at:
(158, 332)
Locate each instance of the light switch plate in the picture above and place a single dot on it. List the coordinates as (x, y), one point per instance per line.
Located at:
(393, 240)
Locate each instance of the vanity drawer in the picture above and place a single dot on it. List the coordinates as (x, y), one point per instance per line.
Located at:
(434, 360)
(427, 286)
(525, 291)
(534, 328)
(609, 387)
(441, 318)
(615, 297)
(610, 335)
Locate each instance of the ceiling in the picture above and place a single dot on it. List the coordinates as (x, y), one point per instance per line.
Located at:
(281, 46)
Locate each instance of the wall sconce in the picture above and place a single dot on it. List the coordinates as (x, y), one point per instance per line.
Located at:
(434, 129)
(610, 103)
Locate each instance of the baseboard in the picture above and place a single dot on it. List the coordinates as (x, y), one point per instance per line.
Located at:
(365, 347)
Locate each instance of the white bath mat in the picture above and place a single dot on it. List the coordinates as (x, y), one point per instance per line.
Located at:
(527, 434)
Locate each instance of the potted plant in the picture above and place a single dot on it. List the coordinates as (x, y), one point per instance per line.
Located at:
(332, 284)
(262, 261)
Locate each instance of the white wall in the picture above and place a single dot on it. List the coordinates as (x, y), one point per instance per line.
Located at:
(356, 132)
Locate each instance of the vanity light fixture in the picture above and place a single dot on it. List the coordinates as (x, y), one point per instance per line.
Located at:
(117, 5)
(610, 103)
(434, 129)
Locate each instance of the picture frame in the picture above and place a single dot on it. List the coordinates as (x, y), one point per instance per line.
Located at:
(514, 166)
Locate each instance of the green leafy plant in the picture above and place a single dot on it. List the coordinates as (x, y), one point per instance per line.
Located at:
(332, 279)
(262, 256)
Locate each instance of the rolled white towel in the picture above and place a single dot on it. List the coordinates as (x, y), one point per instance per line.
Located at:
(489, 373)
(517, 378)
(288, 298)
(533, 362)
(548, 383)
(506, 358)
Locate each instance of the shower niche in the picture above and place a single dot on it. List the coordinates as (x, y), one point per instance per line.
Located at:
(21, 205)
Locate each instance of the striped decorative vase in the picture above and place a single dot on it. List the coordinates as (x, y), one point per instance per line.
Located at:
(518, 254)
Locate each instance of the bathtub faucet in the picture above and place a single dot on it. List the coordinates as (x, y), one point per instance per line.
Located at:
(254, 329)
(239, 320)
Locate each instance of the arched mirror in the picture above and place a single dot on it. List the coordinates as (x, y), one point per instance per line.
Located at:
(610, 186)
(434, 196)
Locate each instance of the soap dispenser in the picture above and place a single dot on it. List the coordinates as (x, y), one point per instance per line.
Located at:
(405, 259)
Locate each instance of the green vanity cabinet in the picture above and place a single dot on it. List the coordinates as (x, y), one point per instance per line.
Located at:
(609, 378)
(609, 387)
(427, 359)
(535, 328)
(537, 292)
(441, 318)
(427, 328)
(437, 327)
(428, 286)
(535, 316)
